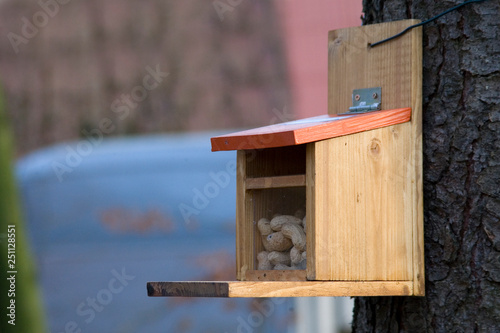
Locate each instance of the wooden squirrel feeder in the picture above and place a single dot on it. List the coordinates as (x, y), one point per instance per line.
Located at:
(356, 173)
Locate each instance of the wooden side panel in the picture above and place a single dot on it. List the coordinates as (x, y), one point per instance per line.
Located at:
(311, 212)
(417, 158)
(244, 230)
(367, 190)
(363, 199)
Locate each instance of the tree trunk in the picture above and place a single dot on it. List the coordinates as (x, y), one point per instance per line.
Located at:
(461, 122)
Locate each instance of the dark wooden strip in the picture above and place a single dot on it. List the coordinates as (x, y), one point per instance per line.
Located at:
(188, 289)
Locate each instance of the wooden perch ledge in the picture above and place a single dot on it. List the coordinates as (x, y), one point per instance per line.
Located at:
(279, 288)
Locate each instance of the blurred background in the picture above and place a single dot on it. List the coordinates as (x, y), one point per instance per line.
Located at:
(111, 105)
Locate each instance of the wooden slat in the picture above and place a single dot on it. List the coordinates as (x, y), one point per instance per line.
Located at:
(244, 230)
(188, 289)
(417, 159)
(279, 288)
(319, 288)
(276, 182)
(309, 130)
(311, 213)
(276, 275)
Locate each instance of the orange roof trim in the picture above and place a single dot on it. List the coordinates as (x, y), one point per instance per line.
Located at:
(309, 130)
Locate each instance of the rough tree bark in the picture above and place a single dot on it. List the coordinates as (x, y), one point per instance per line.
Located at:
(461, 173)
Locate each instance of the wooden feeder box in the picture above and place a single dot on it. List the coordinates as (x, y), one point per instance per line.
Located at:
(356, 172)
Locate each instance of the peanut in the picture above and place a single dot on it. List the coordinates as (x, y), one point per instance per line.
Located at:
(263, 260)
(284, 239)
(296, 234)
(264, 227)
(276, 242)
(300, 265)
(276, 258)
(278, 221)
(295, 255)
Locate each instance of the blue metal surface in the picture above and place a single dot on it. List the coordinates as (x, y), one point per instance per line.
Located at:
(107, 216)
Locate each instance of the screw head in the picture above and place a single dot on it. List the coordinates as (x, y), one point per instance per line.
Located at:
(375, 95)
(357, 97)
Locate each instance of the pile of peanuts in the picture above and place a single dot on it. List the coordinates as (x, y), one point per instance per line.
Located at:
(284, 240)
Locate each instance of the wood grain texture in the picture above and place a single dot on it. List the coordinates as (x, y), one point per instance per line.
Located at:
(188, 289)
(309, 130)
(274, 196)
(276, 182)
(372, 223)
(417, 160)
(276, 275)
(363, 209)
(278, 288)
(244, 230)
(319, 288)
(353, 65)
(270, 162)
(311, 212)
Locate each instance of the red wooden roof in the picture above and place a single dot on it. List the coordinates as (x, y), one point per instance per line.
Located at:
(309, 130)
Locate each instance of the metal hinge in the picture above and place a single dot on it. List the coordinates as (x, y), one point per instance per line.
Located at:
(366, 100)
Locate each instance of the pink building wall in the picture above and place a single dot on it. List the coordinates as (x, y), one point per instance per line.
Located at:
(305, 26)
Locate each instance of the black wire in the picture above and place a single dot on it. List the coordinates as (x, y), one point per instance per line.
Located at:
(422, 23)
